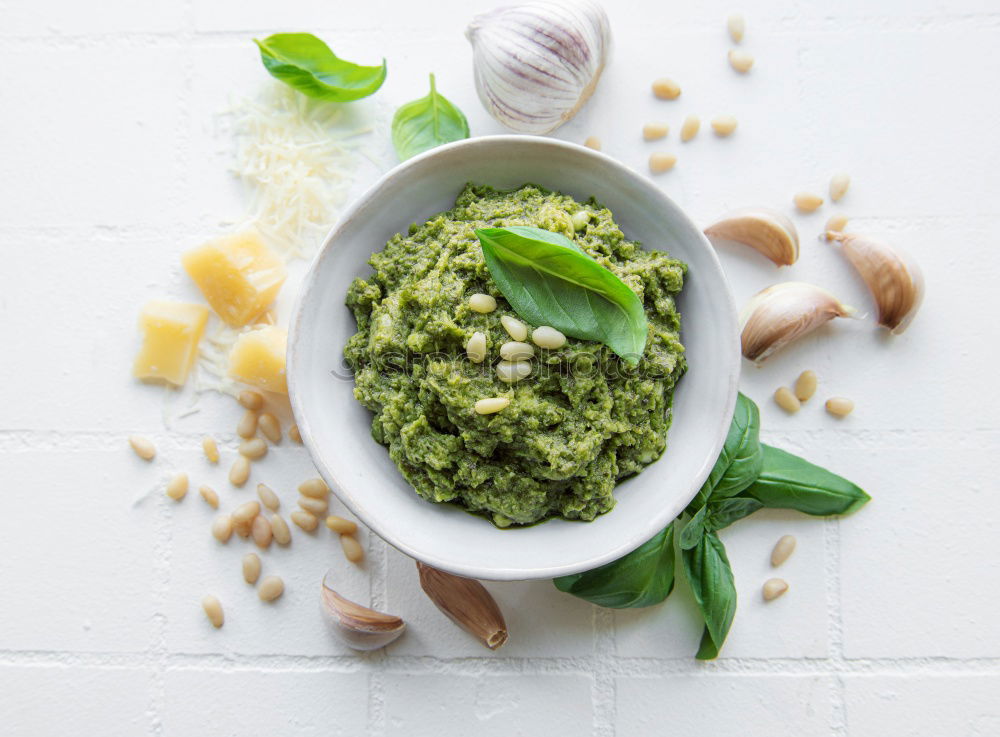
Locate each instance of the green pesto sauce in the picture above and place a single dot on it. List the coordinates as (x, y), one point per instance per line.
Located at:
(578, 425)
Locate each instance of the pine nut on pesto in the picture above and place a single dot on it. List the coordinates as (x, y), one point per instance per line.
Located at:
(557, 442)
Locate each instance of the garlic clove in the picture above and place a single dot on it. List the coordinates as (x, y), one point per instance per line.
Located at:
(467, 603)
(537, 63)
(891, 275)
(764, 230)
(357, 626)
(784, 312)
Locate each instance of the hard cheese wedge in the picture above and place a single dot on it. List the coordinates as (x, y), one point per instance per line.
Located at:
(258, 359)
(170, 335)
(237, 274)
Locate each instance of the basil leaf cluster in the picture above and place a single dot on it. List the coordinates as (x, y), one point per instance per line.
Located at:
(306, 64)
(425, 123)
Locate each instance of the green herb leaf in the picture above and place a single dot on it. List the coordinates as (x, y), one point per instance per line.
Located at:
(741, 457)
(425, 123)
(724, 512)
(790, 482)
(549, 280)
(711, 578)
(642, 578)
(305, 63)
(693, 531)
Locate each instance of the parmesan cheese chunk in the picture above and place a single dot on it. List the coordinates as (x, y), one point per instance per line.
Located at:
(258, 359)
(237, 274)
(170, 335)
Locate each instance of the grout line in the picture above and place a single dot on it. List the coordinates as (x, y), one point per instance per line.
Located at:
(835, 622)
(603, 696)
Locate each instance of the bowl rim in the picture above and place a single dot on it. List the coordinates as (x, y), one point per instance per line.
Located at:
(300, 415)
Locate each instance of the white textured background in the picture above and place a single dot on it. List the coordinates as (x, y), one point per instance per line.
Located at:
(113, 160)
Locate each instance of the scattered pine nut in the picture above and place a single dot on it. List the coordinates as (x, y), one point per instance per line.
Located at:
(213, 610)
(254, 448)
(491, 405)
(222, 528)
(177, 487)
(514, 327)
(839, 406)
(805, 385)
(839, 184)
(279, 528)
(246, 512)
(784, 398)
(315, 507)
(250, 399)
(773, 588)
(247, 426)
(593, 142)
(271, 587)
(270, 426)
(341, 525)
(261, 531)
(475, 349)
(316, 488)
(251, 568)
(736, 25)
(515, 350)
(208, 494)
(483, 303)
(690, 128)
(807, 201)
(293, 434)
(210, 449)
(352, 548)
(580, 219)
(143, 447)
(547, 337)
(304, 520)
(835, 224)
(740, 60)
(661, 161)
(268, 498)
(510, 372)
(240, 471)
(666, 89)
(724, 125)
(655, 131)
(783, 550)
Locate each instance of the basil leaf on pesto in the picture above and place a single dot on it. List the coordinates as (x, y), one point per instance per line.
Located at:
(549, 280)
(790, 482)
(305, 63)
(425, 123)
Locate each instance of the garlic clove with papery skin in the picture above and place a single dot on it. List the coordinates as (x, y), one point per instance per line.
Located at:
(766, 231)
(784, 312)
(537, 63)
(357, 626)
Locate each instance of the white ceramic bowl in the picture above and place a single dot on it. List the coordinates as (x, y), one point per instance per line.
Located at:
(335, 427)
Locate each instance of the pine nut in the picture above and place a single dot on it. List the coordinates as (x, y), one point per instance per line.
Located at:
(475, 349)
(784, 398)
(316, 488)
(839, 184)
(807, 201)
(783, 550)
(143, 447)
(213, 610)
(514, 327)
(240, 471)
(482, 303)
(740, 60)
(243, 528)
(835, 224)
(341, 525)
(247, 426)
(294, 435)
(279, 528)
(222, 528)
(736, 25)
(516, 351)
(270, 426)
(661, 161)
(724, 125)
(246, 512)
(773, 588)
(580, 219)
(251, 568)
(491, 405)
(352, 548)
(177, 487)
(655, 131)
(315, 507)
(593, 142)
(666, 89)
(250, 399)
(208, 494)
(261, 531)
(267, 497)
(304, 520)
(690, 128)
(210, 449)
(511, 372)
(546, 337)
(271, 587)
(839, 406)
(253, 448)
(805, 385)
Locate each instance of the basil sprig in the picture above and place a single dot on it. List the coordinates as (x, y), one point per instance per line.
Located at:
(549, 280)
(425, 123)
(747, 476)
(305, 63)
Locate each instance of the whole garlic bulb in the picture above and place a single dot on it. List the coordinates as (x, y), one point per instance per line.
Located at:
(536, 64)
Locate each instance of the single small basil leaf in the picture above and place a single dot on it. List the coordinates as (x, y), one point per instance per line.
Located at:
(691, 532)
(425, 123)
(724, 512)
(306, 64)
(642, 578)
(711, 578)
(790, 482)
(549, 280)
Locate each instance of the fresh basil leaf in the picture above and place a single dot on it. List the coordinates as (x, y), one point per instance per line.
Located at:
(741, 457)
(711, 578)
(693, 530)
(724, 512)
(549, 280)
(425, 123)
(305, 63)
(642, 578)
(790, 482)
